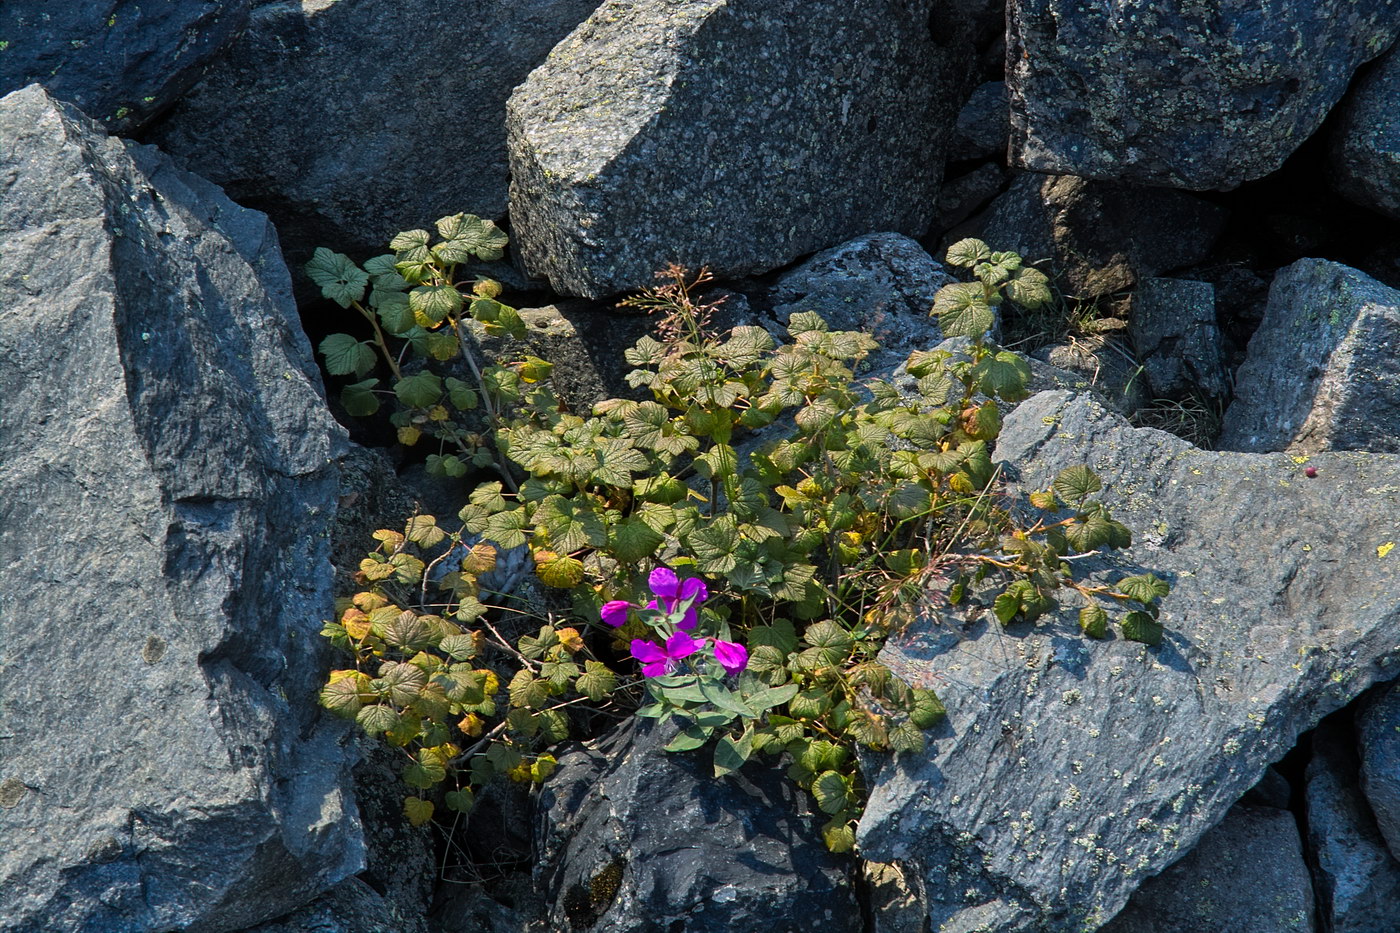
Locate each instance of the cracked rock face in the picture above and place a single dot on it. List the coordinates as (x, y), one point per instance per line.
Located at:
(738, 134)
(1199, 96)
(166, 489)
(1068, 770)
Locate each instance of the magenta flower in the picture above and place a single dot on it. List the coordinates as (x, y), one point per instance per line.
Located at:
(615, 612)
(687, 622)
(657, 659)
(672, 591)
(663, 582)
(732, 656)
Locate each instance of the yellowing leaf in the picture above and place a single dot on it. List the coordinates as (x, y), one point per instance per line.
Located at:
(409, 435)
(418, 810)
(571, 640)
(472, 725)
(1385, 549)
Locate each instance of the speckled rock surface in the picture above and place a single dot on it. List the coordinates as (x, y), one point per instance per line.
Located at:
(166, 492)
(1069, 770)
(350, 120)
(738, 134)
(634, 839)
(1378, 741)
(1173, 327)
(1246, 875)
(1323, 367)
(1358, 879)
(1200, 96)
(121, 61)
(1100, 238)
(1364, 151)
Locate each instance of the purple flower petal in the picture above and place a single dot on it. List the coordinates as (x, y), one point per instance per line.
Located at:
(615, 612)
(732, 656)
(648, 652)
(681, 645)
(655, 669)
(695, 588)
(688, 621)
(663, 582)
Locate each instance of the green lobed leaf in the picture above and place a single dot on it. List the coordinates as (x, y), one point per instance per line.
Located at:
(1075, 484)
(345, 355)
(968, 252)
(339, 278)
(832, 792)
(596, 682)
(377, 718)
(359, 398)
(421, 390)
(1004, 375)
(1145, 588)
(435, 302)
(1142, 627)
(1093, 621)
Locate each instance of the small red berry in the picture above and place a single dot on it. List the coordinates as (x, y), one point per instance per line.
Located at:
(1310, 472)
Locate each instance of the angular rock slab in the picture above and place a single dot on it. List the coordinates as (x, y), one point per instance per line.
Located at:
(1364, 149)
(166, 488)
(1199, 96)
(634, 839)
(1323, 369)
(1246, 875)
(350, 120)
(1068, 770)
(122, 61)
(738, 134)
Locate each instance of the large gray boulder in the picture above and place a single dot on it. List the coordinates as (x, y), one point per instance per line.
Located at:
(1068, 770)
(1358, 880)
(1200, 96)
(1099, 238)
(1246, 875)
(166, 487)
(122, 61)
(738, 134)
(1364, 149)
(1322, 370)
(350, 120)
(634, 839)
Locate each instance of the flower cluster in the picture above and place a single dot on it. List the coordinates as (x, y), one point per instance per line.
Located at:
(674, 614)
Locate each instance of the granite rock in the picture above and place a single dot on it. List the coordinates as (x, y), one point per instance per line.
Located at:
(166, 488)
(1069, 769)
(121, 61)
(348, 121)
(1246, 875)
(1322, 368)
(738, 134)
(1198, 96)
